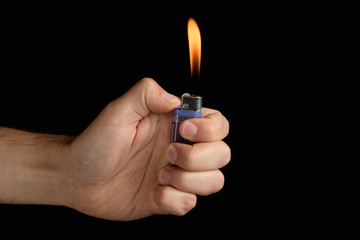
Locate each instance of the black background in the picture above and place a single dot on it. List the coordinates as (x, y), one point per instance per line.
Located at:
(60, 65)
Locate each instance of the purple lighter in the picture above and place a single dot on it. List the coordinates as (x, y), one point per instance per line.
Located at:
(190, 107)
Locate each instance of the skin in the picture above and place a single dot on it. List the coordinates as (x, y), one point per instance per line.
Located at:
(118, 167)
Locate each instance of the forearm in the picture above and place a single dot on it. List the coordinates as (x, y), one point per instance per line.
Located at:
(32, 167)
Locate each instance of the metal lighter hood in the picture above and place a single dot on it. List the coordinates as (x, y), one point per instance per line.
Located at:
(191, 103)
(190, 107)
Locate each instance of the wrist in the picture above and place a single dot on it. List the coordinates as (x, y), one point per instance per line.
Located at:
(33, 167)
(50, 173)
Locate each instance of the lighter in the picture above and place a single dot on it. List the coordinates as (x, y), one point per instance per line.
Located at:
(190, 107)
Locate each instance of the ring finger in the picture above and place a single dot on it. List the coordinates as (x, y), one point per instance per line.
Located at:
(201, 183)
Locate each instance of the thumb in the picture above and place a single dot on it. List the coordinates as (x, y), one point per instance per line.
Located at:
(144, 97)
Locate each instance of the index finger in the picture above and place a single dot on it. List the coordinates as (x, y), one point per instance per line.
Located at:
(212, 126)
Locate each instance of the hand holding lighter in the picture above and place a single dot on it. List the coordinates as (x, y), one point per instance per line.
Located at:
(190, 107)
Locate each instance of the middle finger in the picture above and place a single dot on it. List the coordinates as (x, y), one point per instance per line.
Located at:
(199, 156)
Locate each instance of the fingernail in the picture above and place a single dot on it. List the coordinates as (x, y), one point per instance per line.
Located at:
(164, 176)
(171, 154)
(169, 97)
(189, 129)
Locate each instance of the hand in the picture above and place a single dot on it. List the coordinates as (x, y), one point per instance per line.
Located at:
(118, 167)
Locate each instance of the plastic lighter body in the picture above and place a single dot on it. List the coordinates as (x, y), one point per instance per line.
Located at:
(190, 108)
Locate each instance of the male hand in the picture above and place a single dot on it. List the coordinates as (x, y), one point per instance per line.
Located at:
(118, 167)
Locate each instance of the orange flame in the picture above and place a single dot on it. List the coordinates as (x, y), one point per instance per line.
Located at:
(194, 47)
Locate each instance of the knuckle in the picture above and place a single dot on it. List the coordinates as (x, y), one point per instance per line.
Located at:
(110, 106)
(211, 130)
(226, 156)
(146, 83)
(226, 126)
(219, 181)
(217, 128)
(191, 158)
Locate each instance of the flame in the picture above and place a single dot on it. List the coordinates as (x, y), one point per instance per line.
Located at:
(194, 47)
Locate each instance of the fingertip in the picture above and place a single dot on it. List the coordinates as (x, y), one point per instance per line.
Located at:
(189, 203)
(171, 153)
(173, 201)
(171, 99)
(155, 98)
(188, 129)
